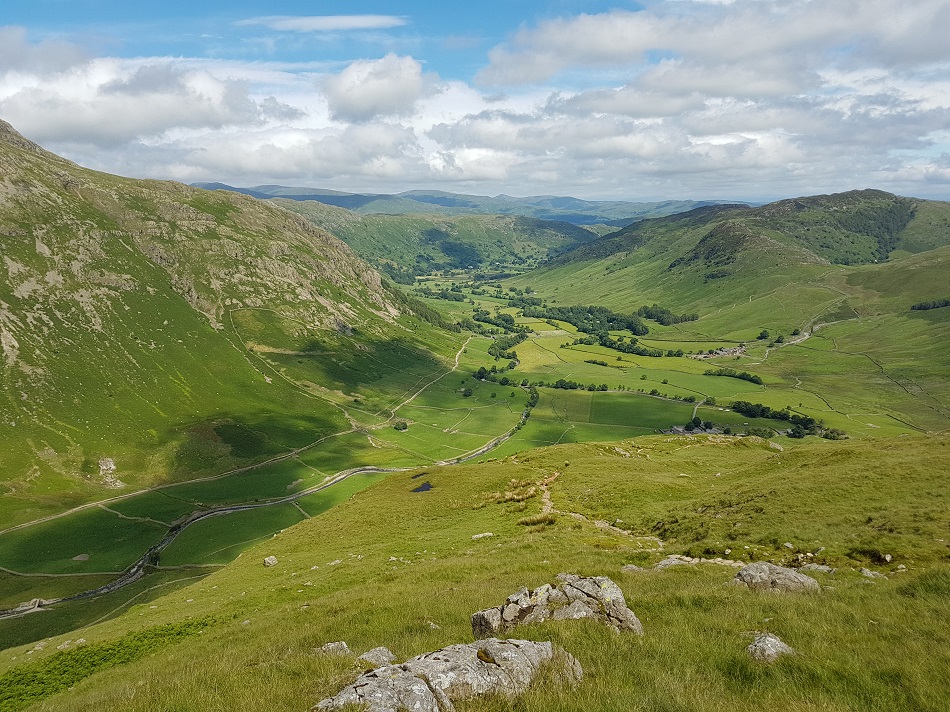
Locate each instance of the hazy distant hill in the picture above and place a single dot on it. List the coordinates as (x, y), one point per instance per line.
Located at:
(545, 207)
(403, 246)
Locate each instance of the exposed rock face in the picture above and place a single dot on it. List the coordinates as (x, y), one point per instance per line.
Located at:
(270, 561)
(763, 576)
(768, 648)
(571, 598)
(430, 682)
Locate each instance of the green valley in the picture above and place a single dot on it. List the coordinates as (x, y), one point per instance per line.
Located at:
(237, 427)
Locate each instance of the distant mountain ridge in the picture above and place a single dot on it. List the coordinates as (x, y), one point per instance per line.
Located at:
(546, 207)
(851, 228)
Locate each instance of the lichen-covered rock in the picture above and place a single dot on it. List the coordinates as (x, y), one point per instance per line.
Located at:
(768, 648)
(763, 576)
(670, 561)
(378, 657)
(387, 689)
(820, 568)
(430, 682)
(487, 623)
(572, 597)
(338, 647)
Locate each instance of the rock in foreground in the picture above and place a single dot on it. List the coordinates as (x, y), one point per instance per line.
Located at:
(430, 682)
(768, 648)
(763, 576)
(572, 597)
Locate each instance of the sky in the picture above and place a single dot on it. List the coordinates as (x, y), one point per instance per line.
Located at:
(652, 100)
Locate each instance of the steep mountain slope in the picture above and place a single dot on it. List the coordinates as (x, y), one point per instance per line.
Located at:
(403, 246)
(544, 207)
(126, 308)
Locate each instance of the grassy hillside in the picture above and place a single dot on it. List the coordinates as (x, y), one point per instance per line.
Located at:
(400, 568)
(143, 326)
(750, 271)
(403, 246)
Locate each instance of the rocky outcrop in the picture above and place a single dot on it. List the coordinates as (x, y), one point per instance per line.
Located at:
(378, 657)
(571, 598)
(768, 648)
(763, 576)
(431, 682)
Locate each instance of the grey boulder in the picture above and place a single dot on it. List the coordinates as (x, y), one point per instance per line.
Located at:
(378, 657)
(768, 648)
(572, 597)
(430, 682)
(763, 576)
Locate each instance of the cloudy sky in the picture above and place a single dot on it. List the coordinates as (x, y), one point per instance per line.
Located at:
(730, 99)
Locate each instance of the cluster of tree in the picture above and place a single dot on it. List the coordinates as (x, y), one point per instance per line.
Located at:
(627, 347)
(883, 222)
(596, 362)
(664, 316)
(698, 423)
(590, 320)
(461, 254)
(446, 294)
(501, 347)
(733, 373)
(567, 385)
(502, 321)
(935, 304)
(522, 302)
(806, 425)
(491, 374)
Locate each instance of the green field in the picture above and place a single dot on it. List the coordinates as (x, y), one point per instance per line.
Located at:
(110, 543)
(219, 539)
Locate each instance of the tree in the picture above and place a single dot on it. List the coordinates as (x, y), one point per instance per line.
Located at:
(796, 431)
(763, 335)
(697, 422)
(467, 393)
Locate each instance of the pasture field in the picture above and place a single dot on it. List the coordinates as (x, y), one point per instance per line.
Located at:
(161, 505)
(271, 481)
(319, 502)
(107, 541)
(219, 539)
(77, 614)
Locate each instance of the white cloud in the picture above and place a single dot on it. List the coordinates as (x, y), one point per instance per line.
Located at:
(370, 88)
(17, 54)
(692, 98)
(110, 102)
(326, 23)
